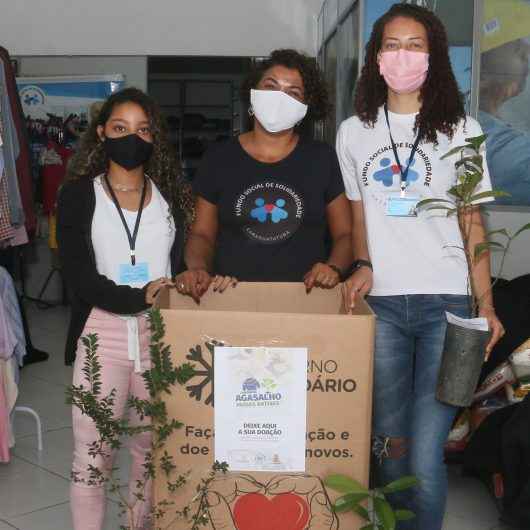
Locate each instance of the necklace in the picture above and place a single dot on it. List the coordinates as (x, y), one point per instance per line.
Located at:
(123, 188)
(118, 187)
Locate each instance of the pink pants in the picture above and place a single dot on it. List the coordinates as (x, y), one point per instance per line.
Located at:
(117, 372)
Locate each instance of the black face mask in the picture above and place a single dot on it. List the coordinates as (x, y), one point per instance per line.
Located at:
(128, 151)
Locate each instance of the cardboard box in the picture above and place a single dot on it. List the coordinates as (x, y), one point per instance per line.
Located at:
(339, 401)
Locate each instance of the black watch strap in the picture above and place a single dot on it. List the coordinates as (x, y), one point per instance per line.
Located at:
(364, 263)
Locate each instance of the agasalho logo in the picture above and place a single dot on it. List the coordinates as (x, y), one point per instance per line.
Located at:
(256, 394)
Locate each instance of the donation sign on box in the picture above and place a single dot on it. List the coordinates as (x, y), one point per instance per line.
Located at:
(269, 343)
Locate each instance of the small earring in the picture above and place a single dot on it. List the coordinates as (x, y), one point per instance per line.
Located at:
(250, 111)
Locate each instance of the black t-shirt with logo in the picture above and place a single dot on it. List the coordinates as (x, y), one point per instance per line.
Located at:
(272, 216)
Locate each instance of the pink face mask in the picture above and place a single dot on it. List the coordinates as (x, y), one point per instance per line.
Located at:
(404, 71)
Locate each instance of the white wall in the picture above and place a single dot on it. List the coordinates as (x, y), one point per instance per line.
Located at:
(134, 68)
(518, 260)
(157, 27)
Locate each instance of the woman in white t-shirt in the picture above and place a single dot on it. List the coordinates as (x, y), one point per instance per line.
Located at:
(120, 224)
(409, 113)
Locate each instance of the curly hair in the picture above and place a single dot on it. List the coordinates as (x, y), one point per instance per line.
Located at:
(90, 160)
(315, 88)
(442, 106)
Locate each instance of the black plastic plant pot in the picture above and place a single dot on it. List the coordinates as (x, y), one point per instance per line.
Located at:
(462, 361)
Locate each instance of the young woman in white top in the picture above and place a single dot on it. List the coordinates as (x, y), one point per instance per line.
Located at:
(409, 113)
(121, 224)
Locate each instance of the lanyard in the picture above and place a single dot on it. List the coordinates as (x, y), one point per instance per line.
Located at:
(131, 238)
(404, 173)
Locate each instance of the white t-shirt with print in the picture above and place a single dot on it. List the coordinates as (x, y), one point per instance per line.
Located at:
(410, 255)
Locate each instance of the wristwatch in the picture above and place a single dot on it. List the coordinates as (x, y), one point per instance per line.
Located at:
(363, 263)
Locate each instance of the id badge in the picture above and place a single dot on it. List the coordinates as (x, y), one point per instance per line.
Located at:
(134, 274)
(401, 206)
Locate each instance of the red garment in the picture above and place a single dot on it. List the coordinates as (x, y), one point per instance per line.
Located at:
(23, 162)
(53, 176)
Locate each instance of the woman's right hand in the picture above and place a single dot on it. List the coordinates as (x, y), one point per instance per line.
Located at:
(155, 286)
(196, 282)
(357, 285)
(193, 283)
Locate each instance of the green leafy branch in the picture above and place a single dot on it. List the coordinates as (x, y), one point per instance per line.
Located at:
(463, 201)
(371, 505)
(159, 380)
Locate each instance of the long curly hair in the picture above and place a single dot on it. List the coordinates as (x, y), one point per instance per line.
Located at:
(315, 88)
(90, 160)
(442, 106)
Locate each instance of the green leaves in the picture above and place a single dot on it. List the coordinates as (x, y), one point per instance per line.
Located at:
(385, 513)
(486, 246)
(521, 230)
(403, 483)
(344, 484)
(111, 430)
(476, 141)
(404, 515)
(492, 194)
(349, 501)
(376, 511)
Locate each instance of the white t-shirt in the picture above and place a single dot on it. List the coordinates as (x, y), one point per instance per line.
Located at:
(156, 235)
(410, 255)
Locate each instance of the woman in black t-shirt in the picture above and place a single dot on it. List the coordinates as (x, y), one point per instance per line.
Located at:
(266, 199)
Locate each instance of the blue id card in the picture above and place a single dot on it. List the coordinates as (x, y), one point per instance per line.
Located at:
(401, 206)
(134, 274)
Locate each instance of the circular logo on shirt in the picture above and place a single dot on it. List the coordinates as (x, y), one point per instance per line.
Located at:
(270, 212)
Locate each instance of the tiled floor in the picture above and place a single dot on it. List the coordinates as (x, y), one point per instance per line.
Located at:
(34, 487)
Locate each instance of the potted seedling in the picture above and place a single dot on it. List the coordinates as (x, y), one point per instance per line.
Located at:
(371, 505)
(466, 339)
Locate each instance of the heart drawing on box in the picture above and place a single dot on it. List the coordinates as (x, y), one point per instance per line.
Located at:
(286, 511)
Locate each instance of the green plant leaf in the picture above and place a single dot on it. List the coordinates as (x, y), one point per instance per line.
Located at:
(444, 208)
(362, 511)
(385, 514)
(349, 501)
(477, 141)
(485, 246)
(501, 231)
(425, 202)
(368, 527)
(470, 162)
(455, 150)
(344, 484)
(404, 515)
(488, 194)
(403, 483)
(521, 230)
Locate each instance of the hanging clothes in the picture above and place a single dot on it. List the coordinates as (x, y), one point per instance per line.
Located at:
(6, 228)
(23, 162)
(11, 151)
(8, 296)
(10, 322)
(53, 160)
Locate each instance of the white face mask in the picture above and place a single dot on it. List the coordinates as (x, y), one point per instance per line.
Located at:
(276, 110)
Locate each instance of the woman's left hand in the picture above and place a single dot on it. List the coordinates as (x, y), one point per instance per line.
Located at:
(495, 326)
(321, 275)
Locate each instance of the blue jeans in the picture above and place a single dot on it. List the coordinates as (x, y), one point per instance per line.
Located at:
(410, 332)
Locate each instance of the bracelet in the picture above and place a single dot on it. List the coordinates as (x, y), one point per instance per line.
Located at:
(363, 263)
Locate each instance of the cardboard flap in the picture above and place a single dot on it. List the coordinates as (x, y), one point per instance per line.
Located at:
(264, 298)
